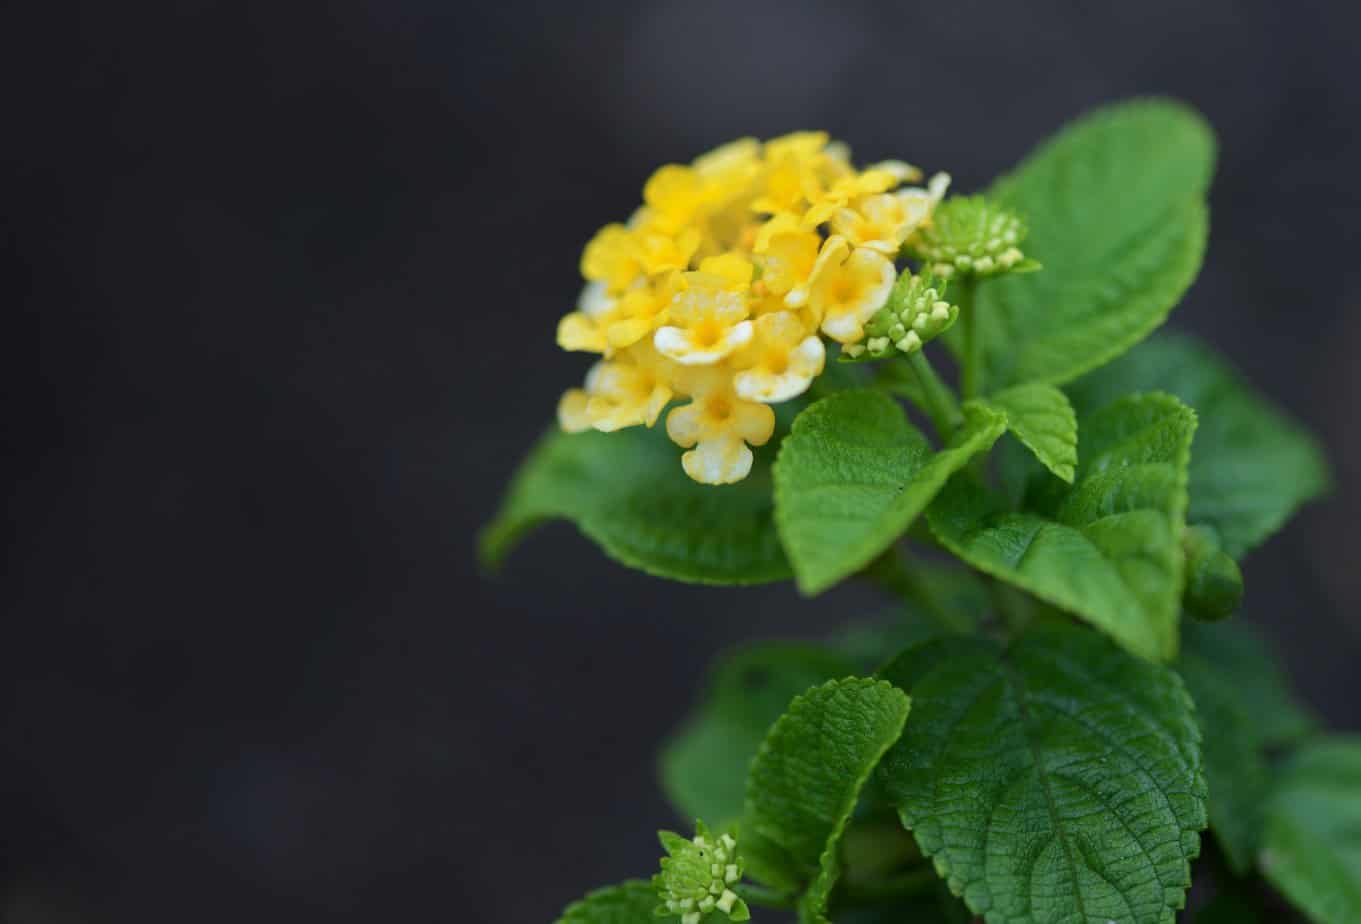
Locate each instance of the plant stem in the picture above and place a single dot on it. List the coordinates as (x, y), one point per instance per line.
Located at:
(971, 366)
(900, 577)
(941, 404)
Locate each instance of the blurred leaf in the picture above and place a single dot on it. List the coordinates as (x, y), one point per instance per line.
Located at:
(1312, 842)
(1055, 780)
(1116, 208)
(1243, 707)
(704, 766)
(1251, 466)
(627, 903)
(627, 492)
(854, 474)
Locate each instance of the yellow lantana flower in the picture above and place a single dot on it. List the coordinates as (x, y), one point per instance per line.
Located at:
(848, 293)
(629, 389)
(781, 361)
(720, 426)
(883, 221)
(708, 315)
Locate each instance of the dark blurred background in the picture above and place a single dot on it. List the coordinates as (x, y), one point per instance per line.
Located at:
(285, 277)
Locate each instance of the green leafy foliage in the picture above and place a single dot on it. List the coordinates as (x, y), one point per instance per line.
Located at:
(805, 781)
(627, 903)
(1054, 780)
(1251, 467)
(854, 474)
(626, 491)
(1106, 548)
(1116, 208)
(704, 766)
(1244, 708)
(1043, 420)
(1312, 841)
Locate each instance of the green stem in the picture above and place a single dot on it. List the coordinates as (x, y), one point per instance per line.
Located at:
(941, 404)
(971, 366)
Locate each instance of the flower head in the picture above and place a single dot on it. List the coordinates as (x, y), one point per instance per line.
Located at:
(722, 285)
(697, 876)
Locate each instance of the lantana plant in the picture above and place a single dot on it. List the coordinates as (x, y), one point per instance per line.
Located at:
(1059, 707)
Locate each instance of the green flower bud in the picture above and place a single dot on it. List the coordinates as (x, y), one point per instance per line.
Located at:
(697, 876)
(969, 234)
(916, 313)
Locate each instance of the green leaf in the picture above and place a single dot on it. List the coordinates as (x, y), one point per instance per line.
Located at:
(1108, 548)
(704, 766)
(1243, 669)
(854, 474)
(1244, 708)
(1251, 466)
(1312, 843)
(627, 492)
(627, 903)
(1045, 422)
(1116, 207)
(805, 781)
(1057, 780)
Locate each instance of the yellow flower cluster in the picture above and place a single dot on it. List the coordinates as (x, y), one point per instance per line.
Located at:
(720, 288)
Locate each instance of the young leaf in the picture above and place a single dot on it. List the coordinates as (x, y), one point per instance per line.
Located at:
(1107, 548)
(1056, 780)
(1244, 707)
(806, 778)
(853, 475)
(1041, 418)
(704, 766)
(1214, 583)
(1251, 466)
(1312, 843)
(1116, 208)
(627, 903)
(626, 491)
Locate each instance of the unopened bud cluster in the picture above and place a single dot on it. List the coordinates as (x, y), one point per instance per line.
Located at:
(697, 876)
(916, 313)
(968, 234)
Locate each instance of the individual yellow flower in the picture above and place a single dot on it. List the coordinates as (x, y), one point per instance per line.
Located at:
(659, 250)
(850, 291)
(791, 179)
(853, 186)
(708, 314)
(832, 254)
(582, 329)
(674, 196)
(787, 253)
(884, 221)
(719, 425)
(612, 257)
(781, 361)
(629, 389)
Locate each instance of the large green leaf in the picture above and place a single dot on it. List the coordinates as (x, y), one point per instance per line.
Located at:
(626, 491)
(1312, 843)
(1251, 466)
(627, 903)
(704, 767)
(1116, 207)
(806, 779)
(854, 474)
(1044, 422)
(1244, 708)
(1107, 548)
(1055, 781)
